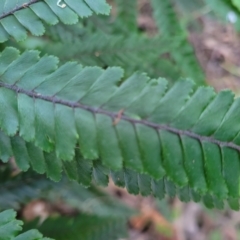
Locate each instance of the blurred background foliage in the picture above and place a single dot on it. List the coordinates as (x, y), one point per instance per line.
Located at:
(168, 38)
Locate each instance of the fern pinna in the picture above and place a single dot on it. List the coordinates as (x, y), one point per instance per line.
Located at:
(10, 228)
(94, 227)
(186, 135)
(97, 215)
(18, 17)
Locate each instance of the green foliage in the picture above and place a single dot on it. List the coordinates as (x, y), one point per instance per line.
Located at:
(169, 25)
(236, 4)
(189, 7)
(84, 227)
(25, 187)
(66, 34)
(100, 49)
(94, 122)
(80, 114)
(16, 18)
(105, 41)
(139, 183)
(126, 19)
(101, 216)
(166, 17)
(10, 228)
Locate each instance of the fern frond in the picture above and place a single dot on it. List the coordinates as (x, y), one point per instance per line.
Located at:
(84, 227)
(169, 25)
(135, 124)
(10, 228)
(137, 183)
(26, 154)
(140, 183)
(103, 50)
(166, 17)
(85, 172)
(29, 186)
(189, 7)
(67, 34)
(126, 19)
(16, 18)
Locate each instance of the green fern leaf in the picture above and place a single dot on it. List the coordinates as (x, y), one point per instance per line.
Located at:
(166, 17)
(68, 99)
(25, 187)
(85, 171)
(143, 184)
(100, 49)
(126, 19)
(84, 227)
(96, 207)
(169, 25)
(16, 18)
(66, 33)
(10, 228)
(26, 154)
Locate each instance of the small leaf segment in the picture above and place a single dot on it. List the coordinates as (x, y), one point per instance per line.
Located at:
(185, 135)
(85, 227)
(169, 25)
(10, 228)
(17, 18)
